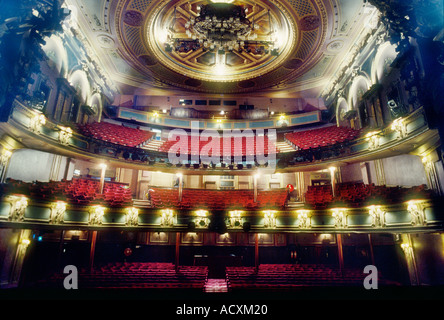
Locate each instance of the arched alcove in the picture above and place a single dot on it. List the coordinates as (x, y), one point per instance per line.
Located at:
(79, 80)
(381, 64)
(57, 55)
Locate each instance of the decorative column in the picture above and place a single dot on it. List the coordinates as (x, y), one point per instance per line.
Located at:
(176, 260)
(102, 177)
(407, 247)
(333, 179)
(93, 249)
(255, 177)
(370, 243)
(17, 265)
(431, 174)
(379, 170)
(340, 252)
(256, 251)
(180, 176)
(300, 185)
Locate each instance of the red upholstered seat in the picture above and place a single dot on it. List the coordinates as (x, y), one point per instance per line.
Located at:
(118, 134)
(217, 199)
(321, 137)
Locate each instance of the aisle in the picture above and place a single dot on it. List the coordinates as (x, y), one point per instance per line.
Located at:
(216, 285)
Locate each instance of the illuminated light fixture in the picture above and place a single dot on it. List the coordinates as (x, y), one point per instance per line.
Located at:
(202, 220)
(340, 217)
(57, 212)
(235, 220)
(164, 110)
(5, 156)
(25, 242)
(378, 216)
(132, 216)
(65, 135)
(304, 218)
(220, 26)
(156, 114)
(96, 214)
(400, 127)
(270, 219)
(427, 161)
(36, 122)
(373, 139)
(18, 207)
(222, 1)
(416, 209)
(406, 248)
(282, 117)
(166, 219)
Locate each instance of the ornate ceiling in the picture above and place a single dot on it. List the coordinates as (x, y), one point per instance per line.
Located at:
(313, 36)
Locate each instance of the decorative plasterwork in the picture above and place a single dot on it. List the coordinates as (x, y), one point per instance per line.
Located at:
(302, 23)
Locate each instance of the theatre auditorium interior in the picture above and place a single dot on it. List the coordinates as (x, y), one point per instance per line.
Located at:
(231, 146)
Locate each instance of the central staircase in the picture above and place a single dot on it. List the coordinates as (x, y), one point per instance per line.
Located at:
(216, 285)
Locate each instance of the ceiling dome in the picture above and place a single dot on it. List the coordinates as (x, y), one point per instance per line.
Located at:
(283, 44)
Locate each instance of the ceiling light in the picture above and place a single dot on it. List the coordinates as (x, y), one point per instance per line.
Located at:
(222, 26)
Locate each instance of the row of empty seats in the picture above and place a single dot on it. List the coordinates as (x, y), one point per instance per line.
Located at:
(360, 194)
(226, 146)
(117, 134)
(322, 137)
(217, 199)
(76, 191)
(290, 276)
(137, 275)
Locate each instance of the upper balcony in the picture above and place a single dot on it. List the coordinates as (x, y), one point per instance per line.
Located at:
(330, 146)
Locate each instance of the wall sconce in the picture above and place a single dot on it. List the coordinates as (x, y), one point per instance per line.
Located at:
(36, 122)
(400, 127)
(65, 135)
(5, 156)
(132, 216)
(235, 220)
(57, 212)
(427, 161)
(340, 218)
(373, 140)
(96, 215)
(406, 248)
(18, 207)
(270, 219)
(378, 216)
(202, 220)
(166, 220)
(304, 218)
(417, 212)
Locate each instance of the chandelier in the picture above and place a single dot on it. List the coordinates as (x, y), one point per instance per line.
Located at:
(221, 27)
